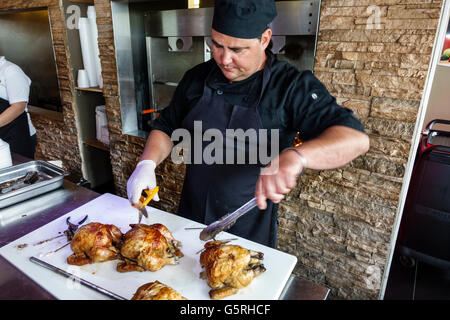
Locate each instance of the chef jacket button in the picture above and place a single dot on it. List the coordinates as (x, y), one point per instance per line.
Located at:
(314, 96)
(219, 92)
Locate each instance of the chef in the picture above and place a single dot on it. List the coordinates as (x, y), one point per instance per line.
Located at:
(15, 123)
(245, 87)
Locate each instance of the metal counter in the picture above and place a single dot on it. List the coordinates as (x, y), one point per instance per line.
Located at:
(22, 218)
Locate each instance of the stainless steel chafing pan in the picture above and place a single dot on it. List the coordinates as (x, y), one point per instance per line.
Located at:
(50, 177)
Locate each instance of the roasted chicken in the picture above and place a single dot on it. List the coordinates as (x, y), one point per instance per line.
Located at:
(95, 242)
(148, 247)
(156, 291)
(229, 267)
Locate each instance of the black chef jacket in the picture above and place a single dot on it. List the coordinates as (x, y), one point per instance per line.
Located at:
(294, 101)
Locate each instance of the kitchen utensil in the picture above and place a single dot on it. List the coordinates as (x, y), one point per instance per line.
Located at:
(30, 178)
(51, 178)
(226, 221)
(148, 111)
(75, 278)
(146, 196)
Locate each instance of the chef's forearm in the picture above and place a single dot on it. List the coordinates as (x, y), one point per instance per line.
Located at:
(335, 147)
(158, 147)
(12, 112)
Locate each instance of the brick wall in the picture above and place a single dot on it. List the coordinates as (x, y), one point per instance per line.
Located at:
(57, 137)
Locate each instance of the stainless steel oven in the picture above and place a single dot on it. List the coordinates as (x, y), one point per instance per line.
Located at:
(177, 40)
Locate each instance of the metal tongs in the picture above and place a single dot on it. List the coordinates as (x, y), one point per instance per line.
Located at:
(226, 221)
(145, 198)
(30, 178)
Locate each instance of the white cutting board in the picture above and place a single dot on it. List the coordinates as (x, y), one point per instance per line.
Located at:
(184, 277)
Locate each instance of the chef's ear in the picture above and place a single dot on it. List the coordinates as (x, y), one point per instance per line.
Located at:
(265, 38)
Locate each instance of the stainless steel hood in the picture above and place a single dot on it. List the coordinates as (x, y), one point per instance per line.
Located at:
(294, 18)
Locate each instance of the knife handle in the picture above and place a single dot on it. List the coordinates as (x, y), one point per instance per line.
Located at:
(145, 198)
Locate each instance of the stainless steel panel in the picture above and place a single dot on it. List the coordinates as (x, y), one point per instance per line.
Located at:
(124, 63)
(294, 18)
(168, 67)
(179, 23)
(51, 175)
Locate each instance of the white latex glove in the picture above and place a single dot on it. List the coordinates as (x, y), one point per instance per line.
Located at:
(143, 177)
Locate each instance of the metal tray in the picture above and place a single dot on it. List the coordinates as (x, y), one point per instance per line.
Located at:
(51, 177)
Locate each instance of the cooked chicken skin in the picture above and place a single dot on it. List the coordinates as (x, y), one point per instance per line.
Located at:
(95, 242)
(156, 291)
(148, 247)
(229, 267)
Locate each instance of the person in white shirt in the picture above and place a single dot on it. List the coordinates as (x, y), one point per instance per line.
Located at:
(15, 123)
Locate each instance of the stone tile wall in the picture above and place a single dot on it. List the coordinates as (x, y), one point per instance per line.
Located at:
(339, 222)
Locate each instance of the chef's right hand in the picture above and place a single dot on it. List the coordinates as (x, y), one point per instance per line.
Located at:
(143, 177)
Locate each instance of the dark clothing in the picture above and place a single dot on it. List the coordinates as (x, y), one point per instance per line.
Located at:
(287, 104)
(212, 190)
(17, 133)
(291, 101)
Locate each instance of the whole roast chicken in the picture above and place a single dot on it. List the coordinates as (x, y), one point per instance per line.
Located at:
(229, 267)
(95, 242)
(156, 291)
(148, 247)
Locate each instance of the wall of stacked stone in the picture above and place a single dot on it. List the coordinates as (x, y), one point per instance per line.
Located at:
(57, 137)
(337, 222)
(373, 56)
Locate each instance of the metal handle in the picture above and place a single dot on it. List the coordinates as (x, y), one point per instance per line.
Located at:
(429, 126)
(226, 221)
(243, 210)
(82, 281)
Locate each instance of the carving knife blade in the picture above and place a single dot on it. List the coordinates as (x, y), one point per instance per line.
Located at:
(74, 277)
(146, 196)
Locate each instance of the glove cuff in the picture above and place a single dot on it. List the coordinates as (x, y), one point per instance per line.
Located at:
(147, 162)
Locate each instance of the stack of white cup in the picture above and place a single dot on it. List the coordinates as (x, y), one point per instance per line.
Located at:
(83, 79)
(5, 155)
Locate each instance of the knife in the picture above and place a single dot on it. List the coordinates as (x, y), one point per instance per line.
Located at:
(82, 281)
(30, 178)
(146, 196)
(226, 221)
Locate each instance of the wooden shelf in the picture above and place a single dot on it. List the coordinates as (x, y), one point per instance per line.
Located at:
(91, 89)
(55, 115)
(96, 144)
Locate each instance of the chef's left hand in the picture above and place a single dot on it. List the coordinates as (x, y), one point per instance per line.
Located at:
(278, 178)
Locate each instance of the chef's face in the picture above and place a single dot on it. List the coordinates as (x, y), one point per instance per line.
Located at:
(239, 58)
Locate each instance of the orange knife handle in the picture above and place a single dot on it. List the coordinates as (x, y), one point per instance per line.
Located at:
(145, 198)
(150, 194)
